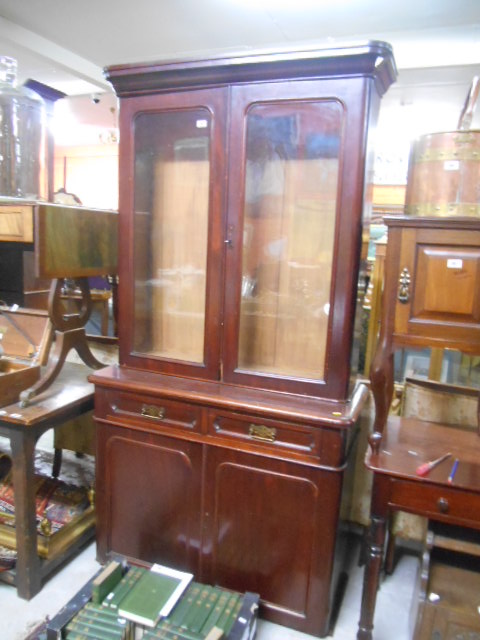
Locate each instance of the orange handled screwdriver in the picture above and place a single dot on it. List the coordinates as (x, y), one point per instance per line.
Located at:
(426, 467)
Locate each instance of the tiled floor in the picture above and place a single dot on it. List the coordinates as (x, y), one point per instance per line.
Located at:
(19, 617)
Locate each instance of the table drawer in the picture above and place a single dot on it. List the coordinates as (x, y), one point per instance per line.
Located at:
(147, 411)
(265, 432)
(445, 503)
(16, 223)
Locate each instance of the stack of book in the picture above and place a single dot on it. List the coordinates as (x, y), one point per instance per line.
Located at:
(132, 602)
(95, 621)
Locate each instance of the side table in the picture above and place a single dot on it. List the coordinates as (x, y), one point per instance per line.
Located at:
(431, 298)
(406, 444)
(69, 396)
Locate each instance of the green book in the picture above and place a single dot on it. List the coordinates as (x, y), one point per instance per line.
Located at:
(217, 611)
(100, 619)
(105, 582)
(154, 595)
(101, 610)
(88, 634)
(195, 618)
(123, 587)
(180, 610)
(206, 609)
(227, 617)
(164, 631)
(235, 611)
(95, 629)
(161, 634)
(106, 614)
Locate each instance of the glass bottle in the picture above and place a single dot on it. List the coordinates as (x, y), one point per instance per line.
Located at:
(23, 166)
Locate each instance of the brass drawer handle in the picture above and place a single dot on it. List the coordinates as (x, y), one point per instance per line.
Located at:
(261, 432)
(404, 286)
(151, 411)
(442, 504)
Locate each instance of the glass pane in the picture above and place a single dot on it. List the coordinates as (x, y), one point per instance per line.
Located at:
(292, 158)
(171, 224)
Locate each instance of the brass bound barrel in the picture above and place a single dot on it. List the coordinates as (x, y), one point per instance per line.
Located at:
(444, 175)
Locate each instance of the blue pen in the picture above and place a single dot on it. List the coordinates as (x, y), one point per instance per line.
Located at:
(453, 471)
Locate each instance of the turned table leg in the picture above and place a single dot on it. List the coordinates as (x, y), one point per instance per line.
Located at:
(371, 578)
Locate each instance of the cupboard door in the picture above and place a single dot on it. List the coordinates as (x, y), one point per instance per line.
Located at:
(291, 226)
(174, 153)
(272, 529)
(438, 285)
(148, 497)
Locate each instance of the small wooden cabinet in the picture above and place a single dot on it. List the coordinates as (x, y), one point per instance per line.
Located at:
(431, 294)
(224, 433)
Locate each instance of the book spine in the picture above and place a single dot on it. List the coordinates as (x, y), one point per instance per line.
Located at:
(103, 620)
(165, 633)
(101, 609)
(216, 612)
(110, 614)
(126, 583)
(105, 617)
(94, 629)
(245, 624)
(87, 633)
(91, 635)
(106, 581)
(208, 607)
(178, 614)
(226, 619)
(198, 612)
(156, 634)
(234, 615)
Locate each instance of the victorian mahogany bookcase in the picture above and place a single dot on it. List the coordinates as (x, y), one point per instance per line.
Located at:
(223, 434)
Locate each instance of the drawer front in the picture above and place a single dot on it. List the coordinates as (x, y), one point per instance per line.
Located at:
(437, 502)
(266, 433)
(438, 285)
(16, 223)
(149, 412)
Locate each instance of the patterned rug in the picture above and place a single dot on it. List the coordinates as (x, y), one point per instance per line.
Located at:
(75, 472)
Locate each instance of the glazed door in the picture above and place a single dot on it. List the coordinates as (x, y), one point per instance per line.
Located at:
(171, 270)
(289, 303)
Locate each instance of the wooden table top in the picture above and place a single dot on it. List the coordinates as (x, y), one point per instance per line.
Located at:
(408, 443)
(69, 395)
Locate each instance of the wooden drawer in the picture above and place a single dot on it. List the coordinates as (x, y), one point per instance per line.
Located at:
(437, 502)
(16, 223)
(268, 433)
(148, 412)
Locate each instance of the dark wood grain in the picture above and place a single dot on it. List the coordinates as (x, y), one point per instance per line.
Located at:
(233, 471)
(437, 305)
(69, 396)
